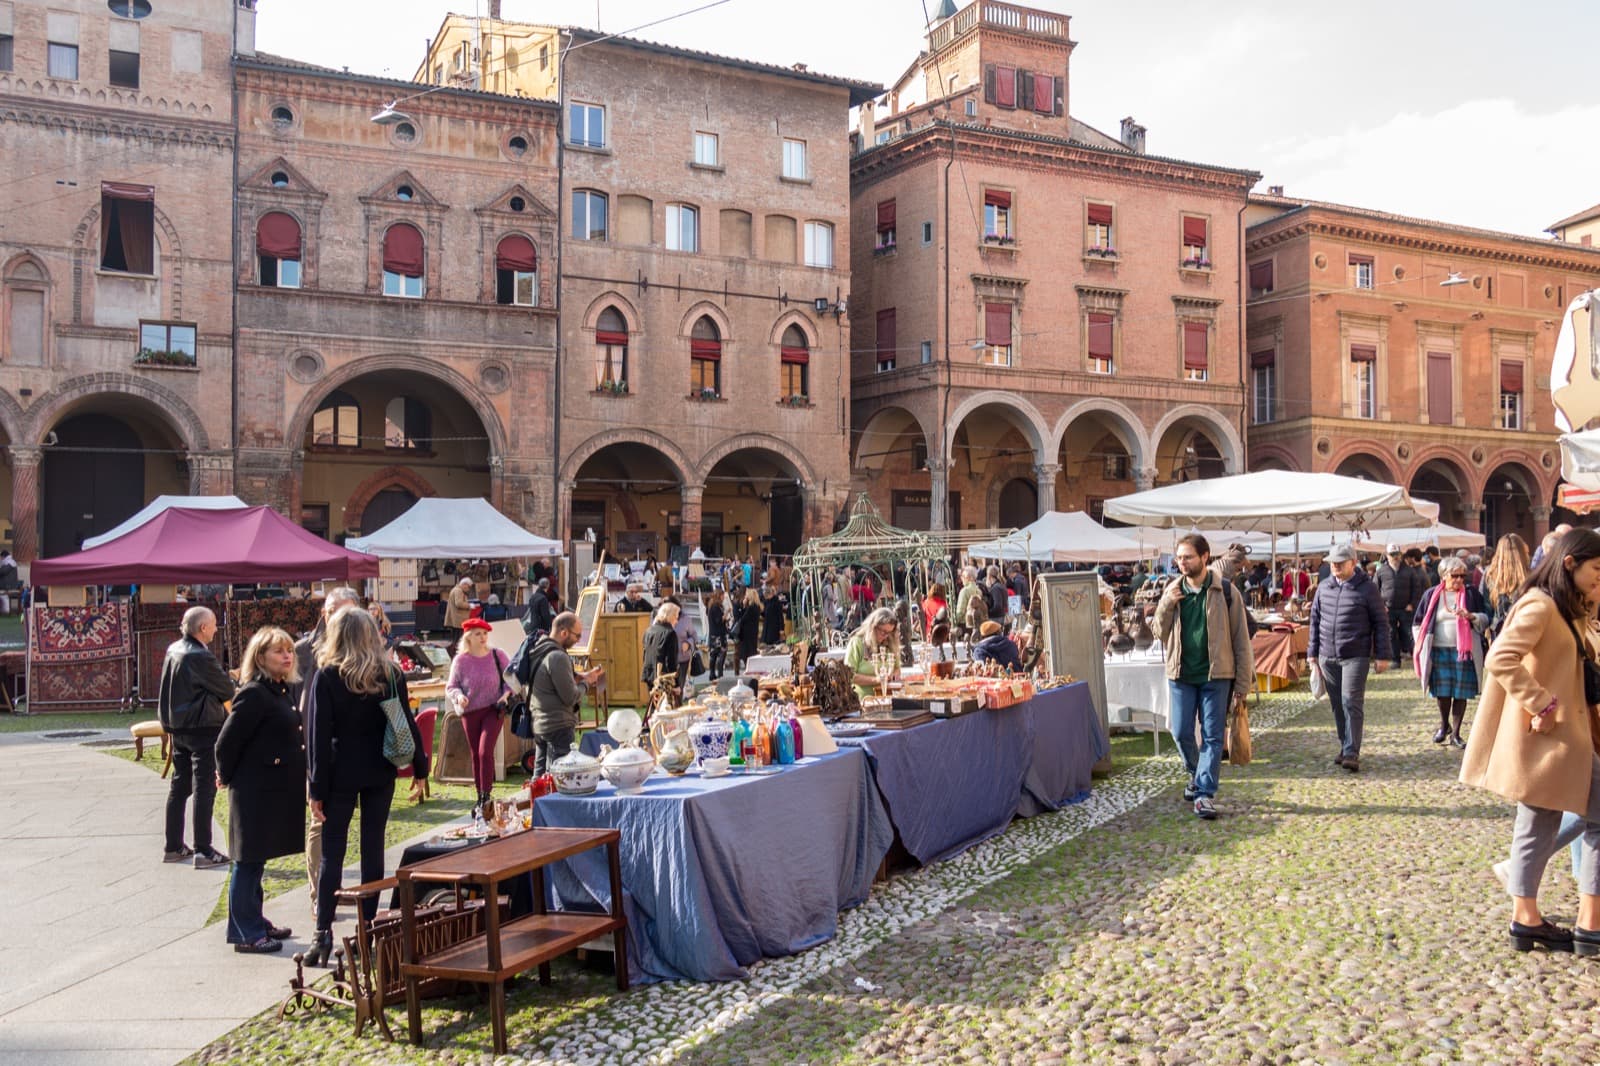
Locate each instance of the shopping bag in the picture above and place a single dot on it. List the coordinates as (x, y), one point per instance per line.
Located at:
(1318, 686)
(1240, 747)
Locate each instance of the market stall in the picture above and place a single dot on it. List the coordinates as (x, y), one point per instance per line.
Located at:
(1064, 537)
(157, 506)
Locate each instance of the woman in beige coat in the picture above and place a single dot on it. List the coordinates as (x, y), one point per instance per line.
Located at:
(1536, 737)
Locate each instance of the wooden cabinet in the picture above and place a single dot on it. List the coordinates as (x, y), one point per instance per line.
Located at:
(616, 641)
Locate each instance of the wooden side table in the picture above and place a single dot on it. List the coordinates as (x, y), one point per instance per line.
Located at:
(505, 950)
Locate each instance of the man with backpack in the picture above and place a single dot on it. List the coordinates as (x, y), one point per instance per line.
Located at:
(998, 594)
(554, 688)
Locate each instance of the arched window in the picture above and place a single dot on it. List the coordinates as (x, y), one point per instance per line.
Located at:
(278, 248)
(337, 422)
(588, 215)
(516, 271)
(26, 287)
(796, 365)
(407, 424)
(705, 359)
(403, 259)
(611, 352)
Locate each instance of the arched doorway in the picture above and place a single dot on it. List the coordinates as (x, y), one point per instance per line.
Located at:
(1099, 459)
(991, 440)
(1019, 503)
(1442, 482)
(1365, 467)
(630, 495)
(1508, 501)
(385, 507)
(891, 454)
(1188, 451)
(754, 504)
(99, 468)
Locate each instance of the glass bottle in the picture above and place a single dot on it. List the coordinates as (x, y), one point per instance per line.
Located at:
(783, 741)
(741, 737)
(793, 712)
(763, 738)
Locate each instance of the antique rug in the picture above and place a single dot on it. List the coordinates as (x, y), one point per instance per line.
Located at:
(79, 657)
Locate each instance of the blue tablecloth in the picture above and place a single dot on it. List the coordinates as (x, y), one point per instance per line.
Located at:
(718, 874)
(953, 783)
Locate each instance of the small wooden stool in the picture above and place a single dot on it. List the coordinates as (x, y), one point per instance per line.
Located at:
(143, 731)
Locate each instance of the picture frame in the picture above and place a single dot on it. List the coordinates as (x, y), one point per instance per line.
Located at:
(591, 600)
(1073, 642)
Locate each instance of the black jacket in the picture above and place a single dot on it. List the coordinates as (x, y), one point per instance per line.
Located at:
(660, 648)
(998, 594)
(261, 757)
(1401, 590)
(998, 649)
(772, 621)
(747, 628)
(345, 728)
(539, 615)
(1348, 621)
(193, 688)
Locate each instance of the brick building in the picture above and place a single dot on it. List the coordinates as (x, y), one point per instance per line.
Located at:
(396, 297)
(1044, 315)
(116, 143)
(1412, 352)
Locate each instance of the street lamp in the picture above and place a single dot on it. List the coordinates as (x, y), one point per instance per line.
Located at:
(1455, 278)
(388, 116)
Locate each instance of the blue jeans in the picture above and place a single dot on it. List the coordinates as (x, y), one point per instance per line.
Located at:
(1346, 682)
(245, 923)
(1571, 835)
(1210, 703)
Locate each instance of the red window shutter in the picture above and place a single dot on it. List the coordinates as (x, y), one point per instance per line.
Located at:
(1261, 275)
(1194, 346)
(1363, 353)
(885, 215)
(1005, 86)
(1044, 93)
(516, 252)
(1261, 359)
(278, 236)
(403, 250)
(1511, 375)
(1441, 405)
(1361, 260)
(796, 355)
(1100, 336)
(699, 349)
(606, 336)
(997, 325)
(124, 190)
(1194, 232)
(1100, 214)
(886, 340)
(996, 198)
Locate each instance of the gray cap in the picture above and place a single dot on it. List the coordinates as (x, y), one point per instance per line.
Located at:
(1342, 553)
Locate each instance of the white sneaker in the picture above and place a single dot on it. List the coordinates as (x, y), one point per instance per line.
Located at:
(1502, 871)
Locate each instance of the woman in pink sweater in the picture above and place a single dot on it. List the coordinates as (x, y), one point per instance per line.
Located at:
(474, 689)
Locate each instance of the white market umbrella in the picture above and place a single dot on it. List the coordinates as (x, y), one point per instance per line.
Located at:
(1275, 501)
(1064, 537)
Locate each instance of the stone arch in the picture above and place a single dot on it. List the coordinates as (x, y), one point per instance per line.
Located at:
(1033, 425)
(612, 298)
(1368, 454)
(764, 441)
(1004, 476)
(14, 266)
(390, 477)
(1124, 425)
(862, 450)
(707, 309)
(12, 418)
(175, 411)
(1457, 464)
(1228, 434)
(795, 318)
(670, 451)
(1261, 455)
(482, 407)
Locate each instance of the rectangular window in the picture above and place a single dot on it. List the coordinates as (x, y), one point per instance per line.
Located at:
(997, 334)
(1364, 379)
(1115, 467)
(544, 57)
(586, 125)
(794, 159)
(1102, 342)
(705, 150)
(1361, 267)
(886, 339)
(1261, 279)
(402, 285)
(279, 273)
(997, 216)
(516, 288)
(1441, 401)
(927, 234)
(886, 226)
(927, 352)
(125, 69)
(819, 244)
(1004, 93)
(793, 379)
(1196, 354)
(972, 107)
(7, 52)
(166, 342)
(1263, 386)
(683, 228)
(63, 61)
(1098, 221)
(1194, 242)
(705, 375)
(127, 228)
(588, 215)
(1510, 394)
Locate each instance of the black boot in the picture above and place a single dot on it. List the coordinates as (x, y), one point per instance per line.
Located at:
(321, 953)
(1456, 719)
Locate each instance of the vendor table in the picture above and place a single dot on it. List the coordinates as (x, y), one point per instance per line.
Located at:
(719, 873)
(950, 784)
(1280, 654)
(768, 664)
(1139, 683)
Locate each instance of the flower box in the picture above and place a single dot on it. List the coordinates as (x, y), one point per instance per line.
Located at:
(161, 357)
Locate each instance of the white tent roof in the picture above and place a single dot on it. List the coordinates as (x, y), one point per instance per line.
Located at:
(159, 504)
(1274, 500)
(1441, 535)
(469, 528)
(1064, 537)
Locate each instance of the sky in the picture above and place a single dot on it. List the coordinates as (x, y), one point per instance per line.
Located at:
(1472, 113)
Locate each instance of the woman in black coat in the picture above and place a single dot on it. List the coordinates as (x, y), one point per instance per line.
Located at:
(661, 645)
(746, 628)
(261, 758)
(772, 618)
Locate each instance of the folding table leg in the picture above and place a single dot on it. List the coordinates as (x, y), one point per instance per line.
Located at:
(497, 1011)
(620, 936)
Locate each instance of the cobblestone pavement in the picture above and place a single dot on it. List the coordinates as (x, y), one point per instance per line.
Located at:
(1324, 917)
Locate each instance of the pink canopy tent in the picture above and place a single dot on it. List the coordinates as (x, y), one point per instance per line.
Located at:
(193, 546)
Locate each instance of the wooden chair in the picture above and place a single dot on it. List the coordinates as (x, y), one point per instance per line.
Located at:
(599, 703)
(150, 730)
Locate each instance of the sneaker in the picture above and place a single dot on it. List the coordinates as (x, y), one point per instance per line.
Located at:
(264, 946)
(1204, 808)
(210, 859)
(183, 854)
(1189, 793)
(1502, 872)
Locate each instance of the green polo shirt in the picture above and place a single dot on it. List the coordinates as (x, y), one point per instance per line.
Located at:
(1195, 665)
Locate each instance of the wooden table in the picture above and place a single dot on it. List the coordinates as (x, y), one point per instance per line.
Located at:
(503, 951)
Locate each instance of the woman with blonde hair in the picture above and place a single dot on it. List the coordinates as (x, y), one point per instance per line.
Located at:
(346, 724)
(1503, 581)
(262, 763)
(660, 657)
(880, 632)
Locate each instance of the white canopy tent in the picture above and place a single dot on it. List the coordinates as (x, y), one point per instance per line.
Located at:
(1064, 537)
(467, 528)
(1440, 535)
(1274, 501)
(160, 504)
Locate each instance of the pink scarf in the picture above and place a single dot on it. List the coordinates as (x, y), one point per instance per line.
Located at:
(1463, 622)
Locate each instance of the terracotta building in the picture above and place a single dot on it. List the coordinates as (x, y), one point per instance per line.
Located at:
(1044, 315)
(1411, 352)
(116, 143)
(396, 296)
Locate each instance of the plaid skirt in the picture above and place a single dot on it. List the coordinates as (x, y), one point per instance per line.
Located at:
(1450, 678)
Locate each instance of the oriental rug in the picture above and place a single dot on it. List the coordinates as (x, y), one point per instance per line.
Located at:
(79, 656)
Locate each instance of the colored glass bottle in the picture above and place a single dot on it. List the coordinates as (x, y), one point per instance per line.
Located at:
(741, 737)
(794, 733)
(783, 742)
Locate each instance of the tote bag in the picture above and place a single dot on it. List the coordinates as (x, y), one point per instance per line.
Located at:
(399, 746)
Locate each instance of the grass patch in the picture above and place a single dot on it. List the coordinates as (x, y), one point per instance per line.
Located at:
(54, 721)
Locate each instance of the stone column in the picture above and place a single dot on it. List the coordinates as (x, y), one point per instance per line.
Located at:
(563, 523)
(1472, 515)
(497, 483)
(689, 515)
(1541, 524)
(210, 473)
(1144, 478)
(938, 493)
(25, 502)
(1044, 476)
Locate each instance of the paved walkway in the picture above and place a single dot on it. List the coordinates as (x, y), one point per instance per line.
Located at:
(105, 950)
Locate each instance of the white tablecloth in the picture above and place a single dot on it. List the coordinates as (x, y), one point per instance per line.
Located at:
(1139, 682)
(767, 664)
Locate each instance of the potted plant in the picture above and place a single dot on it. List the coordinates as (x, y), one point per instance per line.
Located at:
(612, 388)
(704, 393)
(162, 357)
(798, 399)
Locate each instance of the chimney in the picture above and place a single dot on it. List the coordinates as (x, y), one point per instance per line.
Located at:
(244, 29)
(1274, 190)
(868, 125)
(494, 9)
(894, 101)
(1132, 136)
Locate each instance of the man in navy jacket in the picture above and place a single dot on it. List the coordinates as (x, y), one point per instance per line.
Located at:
(1349, 635)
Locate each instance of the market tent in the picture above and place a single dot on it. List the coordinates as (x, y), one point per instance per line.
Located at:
(159, 504)
(1163, 540)
(1064, 537)
(199, 546)
(466, 528)
(1276, 501)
